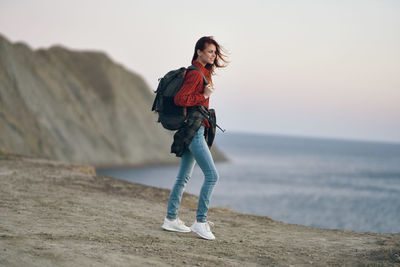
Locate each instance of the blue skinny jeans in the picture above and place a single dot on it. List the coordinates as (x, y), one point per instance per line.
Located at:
(199, 152)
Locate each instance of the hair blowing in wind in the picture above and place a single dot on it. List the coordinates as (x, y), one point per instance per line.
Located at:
(219, 51)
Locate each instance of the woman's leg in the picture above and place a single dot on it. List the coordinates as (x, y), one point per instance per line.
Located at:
(202, 154)
(184, 174)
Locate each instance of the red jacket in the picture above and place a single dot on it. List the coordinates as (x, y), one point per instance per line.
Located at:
(191, 92)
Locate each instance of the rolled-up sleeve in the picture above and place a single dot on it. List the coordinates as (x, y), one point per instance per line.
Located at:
(188, 95)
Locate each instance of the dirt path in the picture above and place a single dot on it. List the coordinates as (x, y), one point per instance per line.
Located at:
(53, 213)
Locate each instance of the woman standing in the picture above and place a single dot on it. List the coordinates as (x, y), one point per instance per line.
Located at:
(207, 57)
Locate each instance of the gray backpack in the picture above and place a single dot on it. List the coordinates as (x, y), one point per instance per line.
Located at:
(171, 116)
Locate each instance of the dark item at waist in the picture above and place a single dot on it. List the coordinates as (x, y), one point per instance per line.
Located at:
(196, 116)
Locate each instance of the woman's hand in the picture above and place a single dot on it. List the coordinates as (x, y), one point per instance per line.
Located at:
(208, 90)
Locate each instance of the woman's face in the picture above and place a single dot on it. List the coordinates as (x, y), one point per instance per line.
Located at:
(208, 54)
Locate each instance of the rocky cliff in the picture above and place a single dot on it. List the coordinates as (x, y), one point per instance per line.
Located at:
(78, 106)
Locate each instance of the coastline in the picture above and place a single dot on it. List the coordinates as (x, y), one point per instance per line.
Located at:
(57, 213)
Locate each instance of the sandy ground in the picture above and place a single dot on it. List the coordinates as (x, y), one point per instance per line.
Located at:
(57, 214)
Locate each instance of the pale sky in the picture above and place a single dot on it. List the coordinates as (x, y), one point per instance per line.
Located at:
(305, 68)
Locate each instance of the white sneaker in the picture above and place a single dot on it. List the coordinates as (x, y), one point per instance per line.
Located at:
(203, 229)
(176, 225)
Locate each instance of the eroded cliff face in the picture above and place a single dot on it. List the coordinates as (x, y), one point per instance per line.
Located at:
(78, 106)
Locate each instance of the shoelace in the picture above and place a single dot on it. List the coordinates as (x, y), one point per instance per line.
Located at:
(179, 221)
(208, 223)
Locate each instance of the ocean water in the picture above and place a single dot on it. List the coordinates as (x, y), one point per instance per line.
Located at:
(324, 183)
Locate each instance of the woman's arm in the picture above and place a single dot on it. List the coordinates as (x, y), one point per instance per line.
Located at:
(187, 95)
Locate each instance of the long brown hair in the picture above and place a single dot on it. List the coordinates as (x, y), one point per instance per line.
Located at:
(201, 44)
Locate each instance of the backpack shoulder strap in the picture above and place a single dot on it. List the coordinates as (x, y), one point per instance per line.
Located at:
(193, 67)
